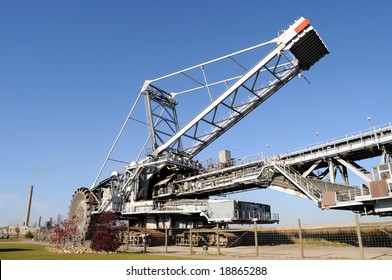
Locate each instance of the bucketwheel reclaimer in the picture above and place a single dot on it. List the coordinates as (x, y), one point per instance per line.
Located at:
(165, 187)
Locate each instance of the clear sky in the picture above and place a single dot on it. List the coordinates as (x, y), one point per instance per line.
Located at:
(70, 71)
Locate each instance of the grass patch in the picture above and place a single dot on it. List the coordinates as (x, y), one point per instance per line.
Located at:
(11, 239)
(323, 242)
(31, 251)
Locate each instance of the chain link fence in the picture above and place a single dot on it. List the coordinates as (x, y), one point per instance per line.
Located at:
(353, 241)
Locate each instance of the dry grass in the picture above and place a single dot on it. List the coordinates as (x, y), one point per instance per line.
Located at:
(37, 251)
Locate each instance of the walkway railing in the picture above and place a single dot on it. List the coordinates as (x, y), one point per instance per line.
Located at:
(373, 136)
(300, 182)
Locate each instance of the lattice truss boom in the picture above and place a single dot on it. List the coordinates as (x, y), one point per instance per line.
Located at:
(234, 89)
(217, 119)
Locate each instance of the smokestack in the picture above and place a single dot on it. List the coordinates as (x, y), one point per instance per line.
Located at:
(26, 223)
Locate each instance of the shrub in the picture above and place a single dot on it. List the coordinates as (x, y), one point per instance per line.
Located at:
(107, 232)
(29, 235)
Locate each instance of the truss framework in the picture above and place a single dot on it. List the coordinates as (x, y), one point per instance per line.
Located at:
(243, 92)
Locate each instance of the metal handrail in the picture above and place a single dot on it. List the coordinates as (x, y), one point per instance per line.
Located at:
(372, 131)
(295, 176)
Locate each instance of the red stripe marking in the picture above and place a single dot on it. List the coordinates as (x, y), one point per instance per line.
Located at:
(302, 25)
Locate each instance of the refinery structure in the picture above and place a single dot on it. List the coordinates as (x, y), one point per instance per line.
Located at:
(166, 187)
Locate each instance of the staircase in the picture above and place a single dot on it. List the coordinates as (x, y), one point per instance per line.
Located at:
(303, 184)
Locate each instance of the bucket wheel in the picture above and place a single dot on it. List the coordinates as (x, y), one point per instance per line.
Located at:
(81, 207)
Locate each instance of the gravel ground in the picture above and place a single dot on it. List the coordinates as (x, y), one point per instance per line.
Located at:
(284, 252)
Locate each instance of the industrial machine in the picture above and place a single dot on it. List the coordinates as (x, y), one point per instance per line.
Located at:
(166, 186)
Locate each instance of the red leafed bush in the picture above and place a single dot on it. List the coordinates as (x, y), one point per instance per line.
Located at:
(107, 232)
(64, 231)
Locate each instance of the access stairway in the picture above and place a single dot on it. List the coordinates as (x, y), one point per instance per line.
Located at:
(303, 184)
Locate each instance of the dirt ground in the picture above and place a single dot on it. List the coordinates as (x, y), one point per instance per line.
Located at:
(279, 252)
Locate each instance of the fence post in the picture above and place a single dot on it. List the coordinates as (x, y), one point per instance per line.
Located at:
(361, 252)
(218, 241)
(301, 243)
(190, 241)
(165, 239)
(145, 239)
(127, 240)
(256, 240)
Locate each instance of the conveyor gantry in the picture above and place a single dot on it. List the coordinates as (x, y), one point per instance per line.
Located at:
(293, 173)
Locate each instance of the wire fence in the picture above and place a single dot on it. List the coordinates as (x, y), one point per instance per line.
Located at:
(357, 240)
(354, 241)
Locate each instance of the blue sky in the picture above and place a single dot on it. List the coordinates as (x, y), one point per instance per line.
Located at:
(70, 71)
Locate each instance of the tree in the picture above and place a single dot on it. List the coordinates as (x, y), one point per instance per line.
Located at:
(64, 231)
(107, 232)
(29, 235)
(17, 230)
